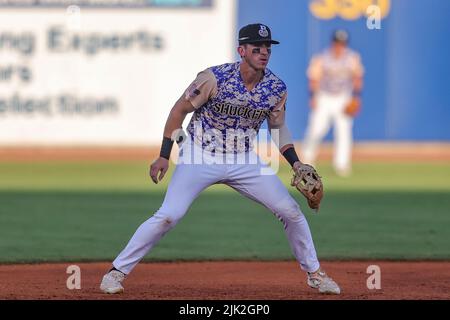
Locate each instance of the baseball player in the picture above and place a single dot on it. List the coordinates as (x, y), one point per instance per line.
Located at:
(335, 82)
(229, 103)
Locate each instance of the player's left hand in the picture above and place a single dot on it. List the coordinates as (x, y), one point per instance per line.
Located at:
(159, 166)
(353, 107)
(308, 182)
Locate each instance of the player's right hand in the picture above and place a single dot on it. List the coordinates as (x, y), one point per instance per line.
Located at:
(312, 102)
(158, 167)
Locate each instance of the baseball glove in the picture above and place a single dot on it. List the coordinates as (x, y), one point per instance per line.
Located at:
(308, 182)
(353, 107)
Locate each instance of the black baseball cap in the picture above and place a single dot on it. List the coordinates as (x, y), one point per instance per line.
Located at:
(340, 35)
(256, 32)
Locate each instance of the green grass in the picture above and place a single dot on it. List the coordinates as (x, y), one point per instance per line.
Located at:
(88, 211)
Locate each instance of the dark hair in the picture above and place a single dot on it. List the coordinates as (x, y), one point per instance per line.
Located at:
(340, 36)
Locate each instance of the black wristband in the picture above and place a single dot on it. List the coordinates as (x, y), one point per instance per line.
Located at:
(166, 148)
(356, 93)
(291, 156)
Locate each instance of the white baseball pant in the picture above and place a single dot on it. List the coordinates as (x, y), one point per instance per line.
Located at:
(189, 180)
(329, 110)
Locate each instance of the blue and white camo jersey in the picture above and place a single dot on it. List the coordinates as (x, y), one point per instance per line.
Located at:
(228, 116)
(335, 75)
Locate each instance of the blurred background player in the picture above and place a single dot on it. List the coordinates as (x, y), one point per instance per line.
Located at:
(335, 84)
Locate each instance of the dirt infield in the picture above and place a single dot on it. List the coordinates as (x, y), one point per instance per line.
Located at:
(228, 281)
(405, 152)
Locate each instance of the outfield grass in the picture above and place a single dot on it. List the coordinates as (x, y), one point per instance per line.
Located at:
(89, 210)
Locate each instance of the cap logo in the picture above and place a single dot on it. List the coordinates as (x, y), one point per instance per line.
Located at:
(263, 31)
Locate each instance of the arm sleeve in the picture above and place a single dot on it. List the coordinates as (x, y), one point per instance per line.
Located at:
(284, 137)
(201, 89)
(276, 120)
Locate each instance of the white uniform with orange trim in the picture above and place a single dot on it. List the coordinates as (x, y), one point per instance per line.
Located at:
(225, 107)
(335, 76)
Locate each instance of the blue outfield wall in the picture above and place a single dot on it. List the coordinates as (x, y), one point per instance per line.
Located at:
(406, 94)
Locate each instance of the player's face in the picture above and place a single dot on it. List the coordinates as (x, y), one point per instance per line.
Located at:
(257, 55)
(339, 47)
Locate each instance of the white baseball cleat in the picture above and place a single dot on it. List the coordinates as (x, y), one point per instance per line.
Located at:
(112, 282)
(320, 280)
